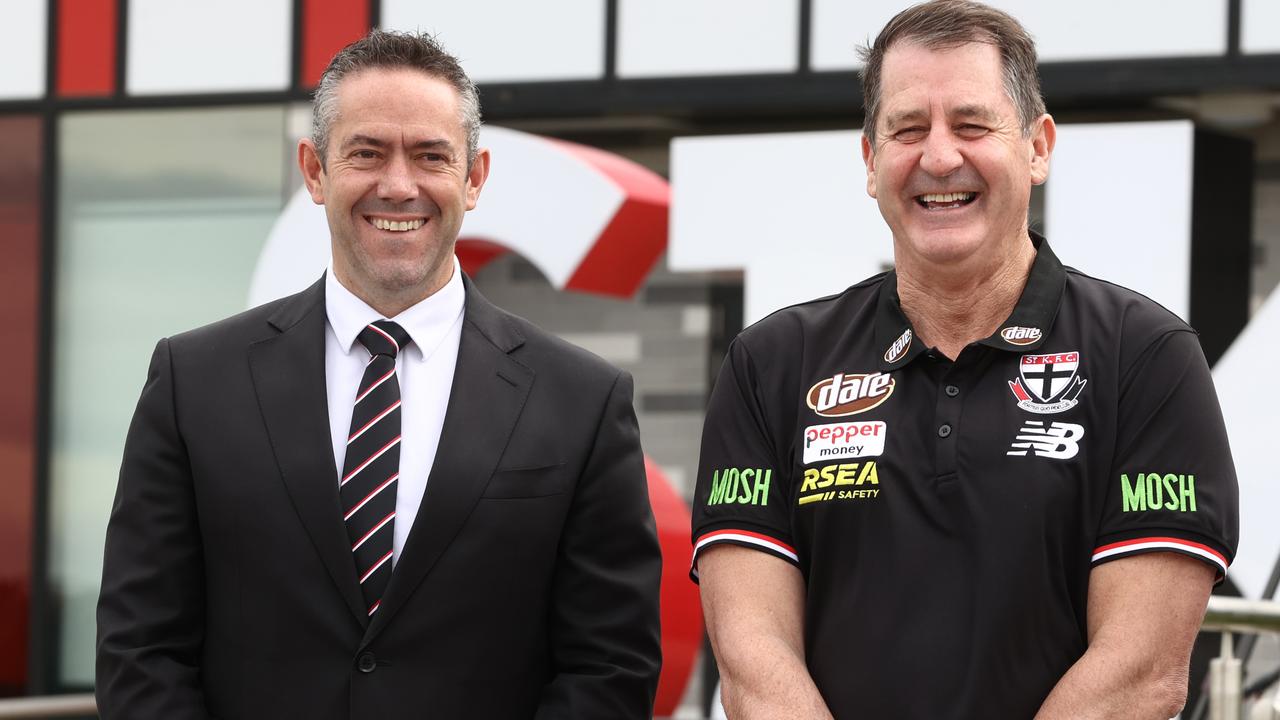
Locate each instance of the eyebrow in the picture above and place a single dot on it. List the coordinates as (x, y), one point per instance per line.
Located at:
(980, 112)
(371, 141)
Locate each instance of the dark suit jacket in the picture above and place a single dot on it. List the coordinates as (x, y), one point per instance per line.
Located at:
(528, 586)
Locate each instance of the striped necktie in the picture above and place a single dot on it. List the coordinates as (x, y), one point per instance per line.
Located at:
(372, 466)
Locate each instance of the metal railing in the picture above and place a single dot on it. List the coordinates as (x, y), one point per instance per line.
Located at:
(49, 706)
(1225, 614)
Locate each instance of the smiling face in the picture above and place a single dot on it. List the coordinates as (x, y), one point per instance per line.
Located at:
(395, 184)
(952, 169)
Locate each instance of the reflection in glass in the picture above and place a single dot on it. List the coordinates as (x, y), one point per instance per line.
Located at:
(162, 215)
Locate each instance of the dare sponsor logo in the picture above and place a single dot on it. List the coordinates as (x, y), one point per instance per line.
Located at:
(1159, 491)
(836, 441)
(849, 394)
(740, 486)
(1017, 335)
(842, 481)
(898, 348)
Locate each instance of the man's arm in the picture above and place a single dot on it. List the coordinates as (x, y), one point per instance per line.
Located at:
(1144, 613)
(754, 607)
(605, 644)
(151, 610)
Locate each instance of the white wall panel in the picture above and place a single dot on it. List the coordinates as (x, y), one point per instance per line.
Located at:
(196, 46)
(501, 40)
(1081, 30)
(1107, 217)
(22, 49)
(707, 37)
(789, 209)
(1260, 26)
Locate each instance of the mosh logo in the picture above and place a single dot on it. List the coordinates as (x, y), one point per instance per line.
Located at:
(743, 486)
(898, 348)
(851, 394)
(1015, 335)
(1157, 491)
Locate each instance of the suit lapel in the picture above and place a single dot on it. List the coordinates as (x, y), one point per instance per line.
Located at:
(489, 391)
(289, 378)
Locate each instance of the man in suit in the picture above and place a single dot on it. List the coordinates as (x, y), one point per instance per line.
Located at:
(382, 497)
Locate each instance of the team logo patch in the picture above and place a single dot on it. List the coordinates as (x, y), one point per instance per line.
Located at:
(850, 394)
(1060, 441)
(1048, 383)
(898, 348)
(836, 441)
(1016, 335)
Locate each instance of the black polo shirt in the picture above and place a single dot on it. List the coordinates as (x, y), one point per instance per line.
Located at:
(945, 515)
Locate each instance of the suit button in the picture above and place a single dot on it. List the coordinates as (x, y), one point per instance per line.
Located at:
(367, 663)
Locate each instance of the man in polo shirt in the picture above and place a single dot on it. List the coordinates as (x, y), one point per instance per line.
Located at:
(982, 485)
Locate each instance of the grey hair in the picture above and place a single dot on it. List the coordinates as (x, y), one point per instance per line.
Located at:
(945, 24)
(394, 50)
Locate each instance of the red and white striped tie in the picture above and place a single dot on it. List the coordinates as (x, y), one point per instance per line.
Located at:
(372, 466)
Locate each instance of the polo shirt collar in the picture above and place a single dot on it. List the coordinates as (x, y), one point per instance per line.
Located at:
(427, 321)
(1026, 329)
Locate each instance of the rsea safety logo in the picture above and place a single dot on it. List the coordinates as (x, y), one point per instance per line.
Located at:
(898, 348)
(1052, 384)
(845, 481)
(849, 394)
(1017, 335)
(742, 486)
(1159, 491)
(836, 441)
(1060, 441)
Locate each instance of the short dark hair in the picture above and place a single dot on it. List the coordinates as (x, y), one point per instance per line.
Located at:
(946, 24)
(394, 50)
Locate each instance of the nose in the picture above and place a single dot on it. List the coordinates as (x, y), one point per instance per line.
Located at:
(941, 154)
(397, 183)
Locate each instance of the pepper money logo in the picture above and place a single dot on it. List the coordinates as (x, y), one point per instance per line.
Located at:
(850, 394)
(836, 441)
(1052, 384)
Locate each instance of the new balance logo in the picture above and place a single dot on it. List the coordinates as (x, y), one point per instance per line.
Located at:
(1060, 441)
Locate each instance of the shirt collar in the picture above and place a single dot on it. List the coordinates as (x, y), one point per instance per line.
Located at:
(427, 321)
(1025, 329)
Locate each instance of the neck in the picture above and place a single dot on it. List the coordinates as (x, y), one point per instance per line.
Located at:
(390, 302)
(952, 305)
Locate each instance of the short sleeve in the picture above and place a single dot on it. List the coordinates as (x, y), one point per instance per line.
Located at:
(741, 489)
(1172, 486)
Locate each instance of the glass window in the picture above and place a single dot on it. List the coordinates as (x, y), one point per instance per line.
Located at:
(162, 215)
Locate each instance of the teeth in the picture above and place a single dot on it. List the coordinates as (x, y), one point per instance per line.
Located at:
(395, 226)
(947, 197)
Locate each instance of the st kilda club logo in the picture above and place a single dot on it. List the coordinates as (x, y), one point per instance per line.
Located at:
(1048, 383)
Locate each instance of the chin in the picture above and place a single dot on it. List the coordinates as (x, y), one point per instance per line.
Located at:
(945, 246)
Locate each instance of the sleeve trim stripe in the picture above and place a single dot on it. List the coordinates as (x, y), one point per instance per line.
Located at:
(1161, 543)
(743, 536)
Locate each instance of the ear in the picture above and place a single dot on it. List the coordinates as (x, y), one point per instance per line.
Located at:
(476, 176)
(869, 158)
(312, 169)
(1043, 137)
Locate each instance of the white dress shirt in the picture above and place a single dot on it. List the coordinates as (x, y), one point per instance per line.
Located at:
(425, 369)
